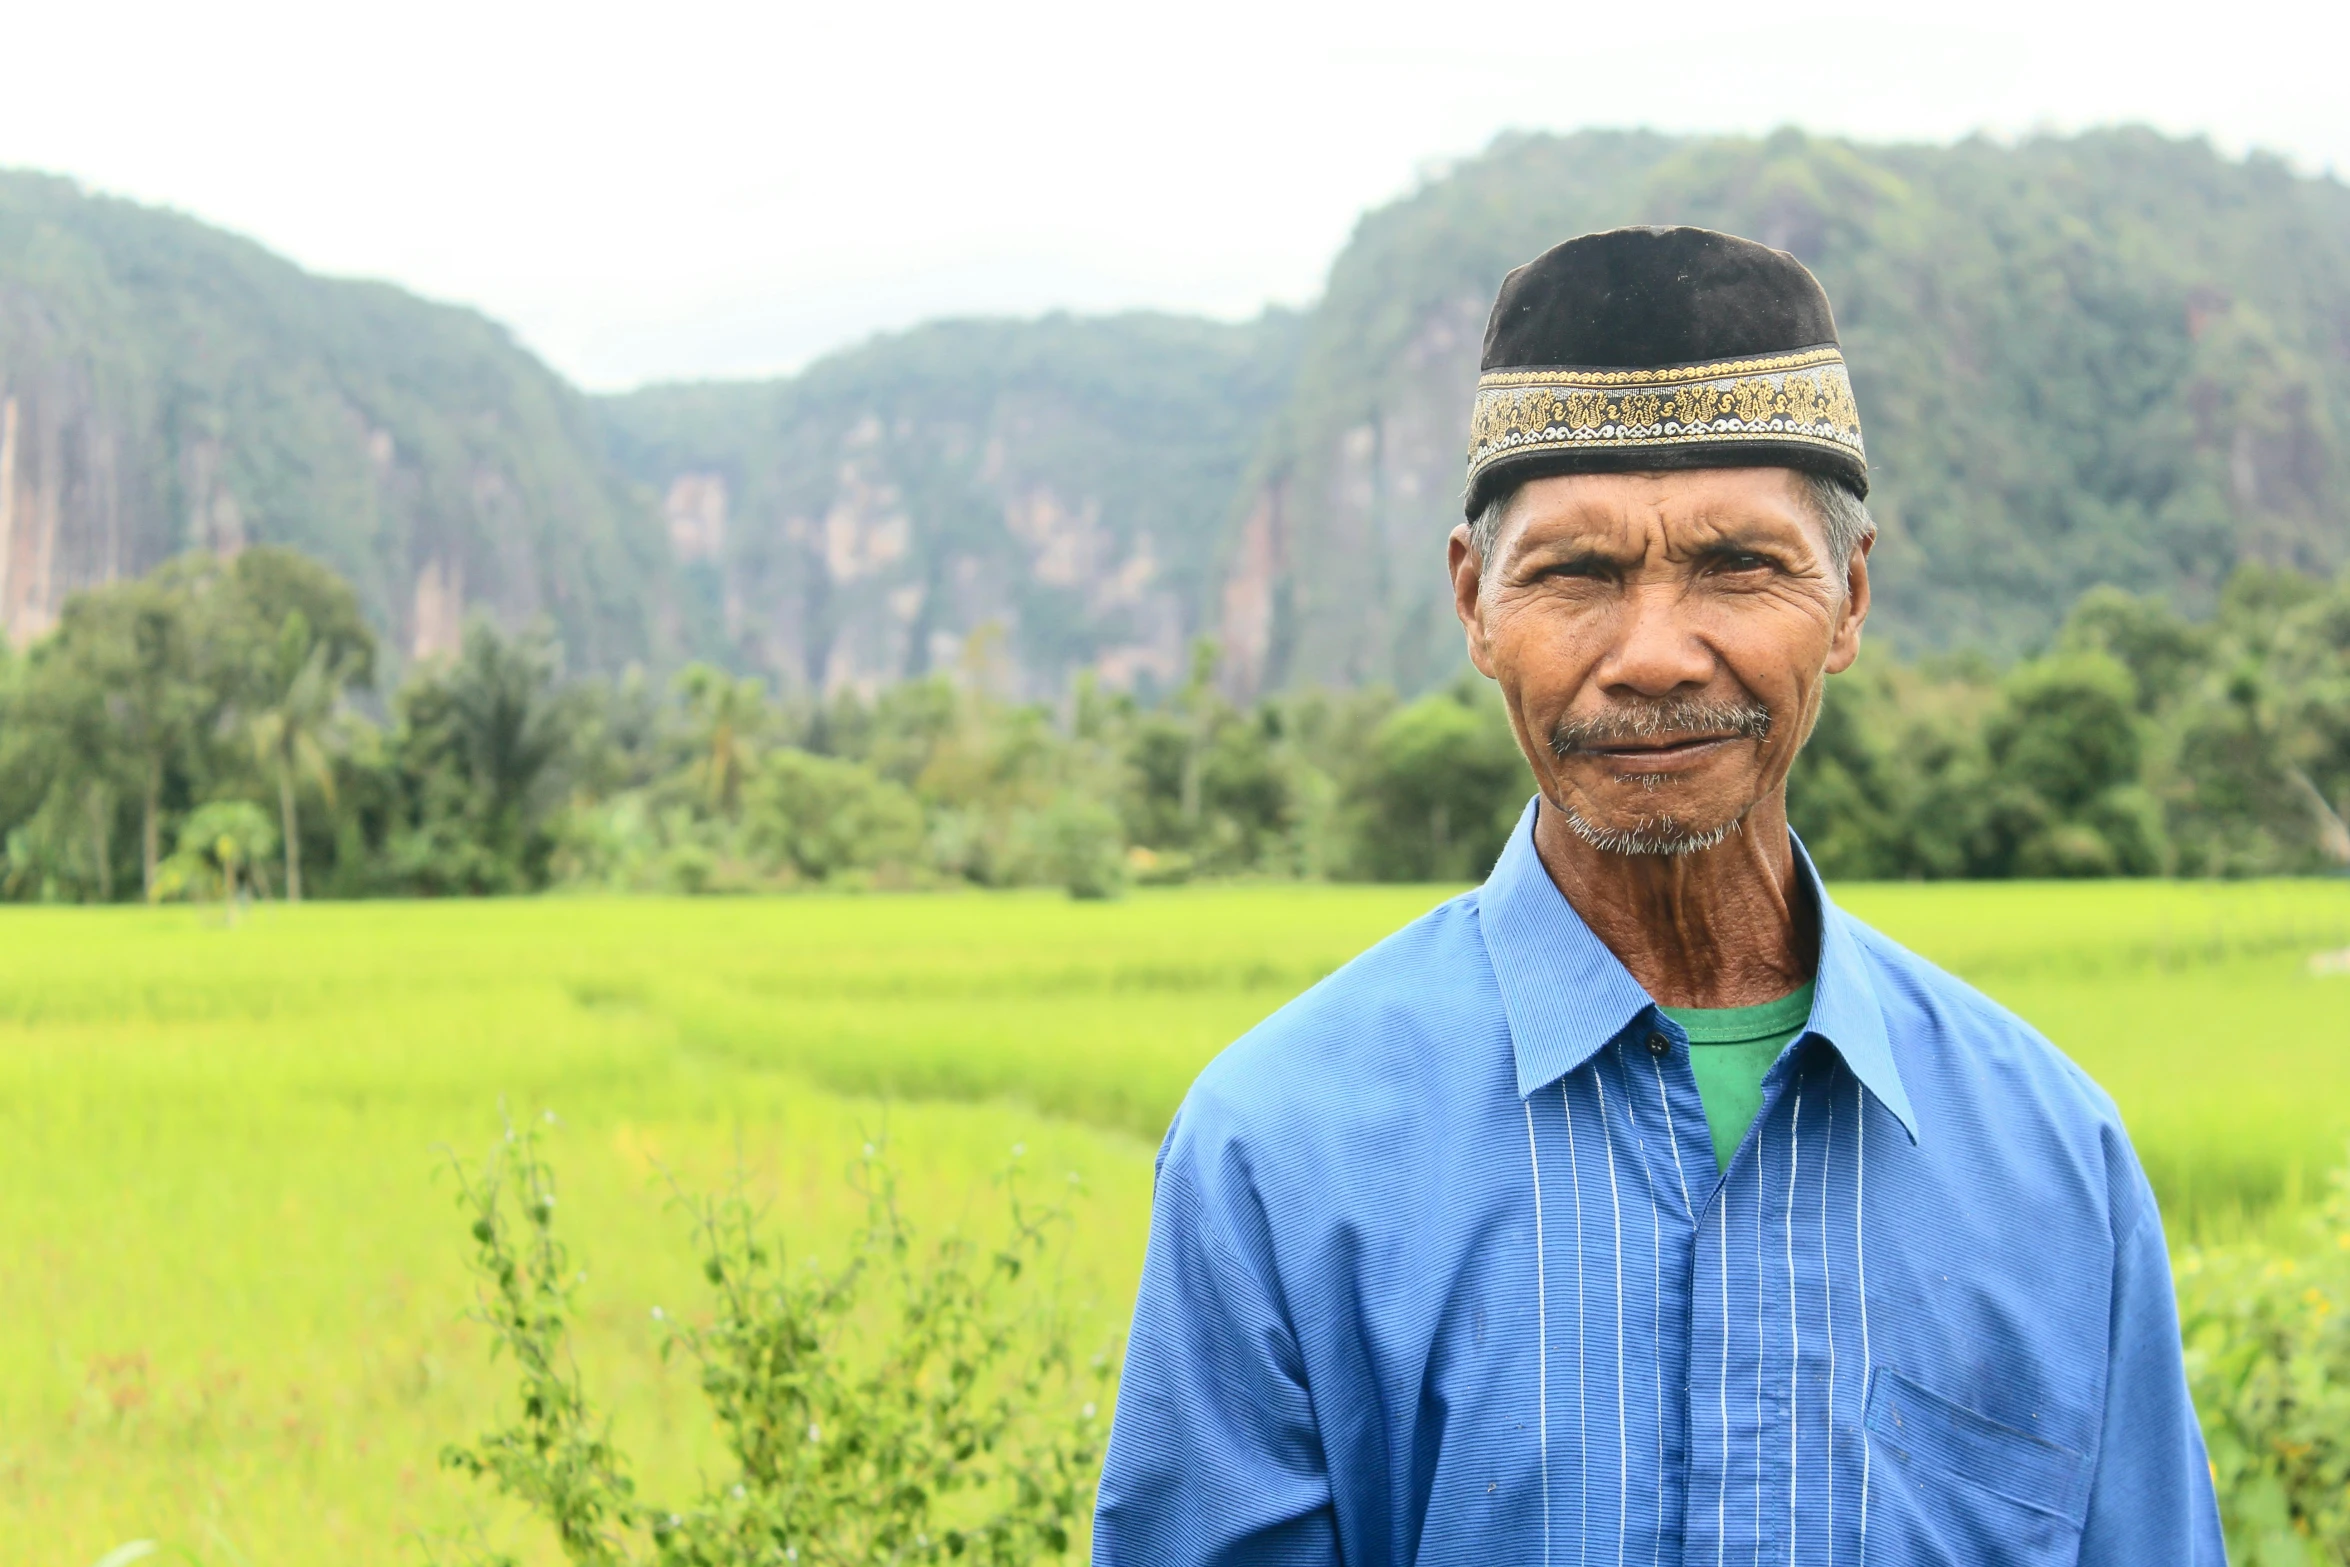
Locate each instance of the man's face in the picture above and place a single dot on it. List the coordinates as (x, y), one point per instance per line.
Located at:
(1661, 640)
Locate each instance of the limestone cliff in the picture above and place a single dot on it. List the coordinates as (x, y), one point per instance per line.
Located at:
(165, 387)
(1050, 496)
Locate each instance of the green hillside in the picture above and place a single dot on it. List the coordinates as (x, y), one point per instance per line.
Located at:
(1064, 481)
(165, 386)
(2105, 358)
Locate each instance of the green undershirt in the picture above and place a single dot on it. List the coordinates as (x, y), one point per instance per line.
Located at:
(1730, 1048)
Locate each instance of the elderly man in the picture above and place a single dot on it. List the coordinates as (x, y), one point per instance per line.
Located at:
(1641, 1206)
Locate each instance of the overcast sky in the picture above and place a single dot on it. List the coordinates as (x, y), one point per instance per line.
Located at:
(711, 189)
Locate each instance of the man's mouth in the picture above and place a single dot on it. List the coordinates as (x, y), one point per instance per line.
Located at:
(1660, 737)
(1683, 745)
(1659, 752)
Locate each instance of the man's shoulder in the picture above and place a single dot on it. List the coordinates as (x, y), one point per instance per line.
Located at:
(1965, 1044)
(1360, 1045)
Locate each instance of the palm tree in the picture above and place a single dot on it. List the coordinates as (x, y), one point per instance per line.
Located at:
(219, 843)
(729, 712)
(290, 733)
(510, 722)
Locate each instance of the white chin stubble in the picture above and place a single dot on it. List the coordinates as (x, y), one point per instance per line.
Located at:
(1667, 835)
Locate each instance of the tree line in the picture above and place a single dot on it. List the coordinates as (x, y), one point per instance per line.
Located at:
(215, 730)
(2139, 744)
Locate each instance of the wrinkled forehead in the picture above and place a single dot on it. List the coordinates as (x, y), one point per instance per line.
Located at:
(1664, 512)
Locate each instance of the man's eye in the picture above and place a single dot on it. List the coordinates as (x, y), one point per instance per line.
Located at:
(1741, 560)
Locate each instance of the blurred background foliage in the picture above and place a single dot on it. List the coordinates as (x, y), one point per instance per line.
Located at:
(2138, 742)
(2268, 1356)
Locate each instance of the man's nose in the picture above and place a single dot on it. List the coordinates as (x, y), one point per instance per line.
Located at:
(1657, 650)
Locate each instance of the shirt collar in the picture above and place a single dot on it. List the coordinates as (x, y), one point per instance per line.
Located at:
(1567, 996)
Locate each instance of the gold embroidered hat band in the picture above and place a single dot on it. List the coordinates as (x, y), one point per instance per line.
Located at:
(1645, 349)
(1796, 397)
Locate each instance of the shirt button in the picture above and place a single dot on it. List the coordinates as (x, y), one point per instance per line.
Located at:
(1659, 1045)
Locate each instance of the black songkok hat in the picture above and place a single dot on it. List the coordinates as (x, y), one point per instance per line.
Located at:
(1653, 348)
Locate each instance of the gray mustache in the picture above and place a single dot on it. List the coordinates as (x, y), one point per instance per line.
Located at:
(1671, 718)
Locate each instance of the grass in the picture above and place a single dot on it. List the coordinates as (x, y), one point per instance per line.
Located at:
(2196, 1007)
(230, 1280)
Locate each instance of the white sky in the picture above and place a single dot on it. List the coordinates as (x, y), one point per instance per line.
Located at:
(709, 189)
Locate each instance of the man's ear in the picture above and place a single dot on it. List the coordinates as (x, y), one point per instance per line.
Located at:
(1845, 647)
(1468, 587)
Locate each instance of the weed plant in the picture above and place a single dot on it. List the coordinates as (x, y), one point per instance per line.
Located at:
(2268, 1354)
(915, 1403)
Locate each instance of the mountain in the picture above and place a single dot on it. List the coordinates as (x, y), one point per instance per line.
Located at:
(2105, 358)
(165, 386)
(1056, 486)
(2102, 358)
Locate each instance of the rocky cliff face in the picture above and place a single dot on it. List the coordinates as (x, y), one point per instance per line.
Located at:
(78, 499)
(1339, 574)
(166, 387)
(1032, 498)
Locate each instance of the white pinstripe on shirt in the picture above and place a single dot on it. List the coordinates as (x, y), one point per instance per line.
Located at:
(1582, 1374)
(1623, 1447)
(1541, 1336)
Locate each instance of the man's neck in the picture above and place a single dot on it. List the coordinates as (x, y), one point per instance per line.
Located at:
(1729, 926)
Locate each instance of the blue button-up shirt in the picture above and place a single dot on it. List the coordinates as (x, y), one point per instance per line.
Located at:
(1441, 1269)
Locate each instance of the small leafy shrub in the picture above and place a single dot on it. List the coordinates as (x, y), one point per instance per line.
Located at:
(824, 816)
(222, 851)
(1439, 788)
(1077, 842)
(2268, 1354)
(919, 1403)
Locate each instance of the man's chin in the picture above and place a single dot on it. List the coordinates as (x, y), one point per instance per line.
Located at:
(1663, 833)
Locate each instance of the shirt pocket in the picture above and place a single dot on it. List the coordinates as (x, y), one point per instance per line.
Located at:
(1965, 1488)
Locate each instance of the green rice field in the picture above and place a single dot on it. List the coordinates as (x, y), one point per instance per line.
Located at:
(231, 1281)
